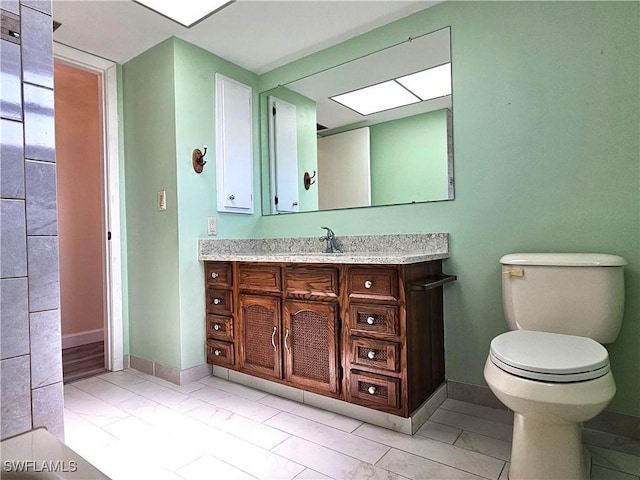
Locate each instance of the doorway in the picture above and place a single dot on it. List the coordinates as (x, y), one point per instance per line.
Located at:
(78, 127)
(88, 213)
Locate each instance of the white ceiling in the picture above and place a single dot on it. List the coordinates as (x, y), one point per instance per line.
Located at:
(258, 35)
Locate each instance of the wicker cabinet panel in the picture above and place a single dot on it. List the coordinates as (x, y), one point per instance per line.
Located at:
(260, 335)
(220, 353)
(218, 274)
(262, 278)
(374, 391)
(374, 354)
(219, 302)
(220, 328)
(310, 340)
(311, 282)
(375, 283)
(374, 320)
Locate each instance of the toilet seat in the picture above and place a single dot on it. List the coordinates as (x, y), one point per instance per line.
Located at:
(549, 357)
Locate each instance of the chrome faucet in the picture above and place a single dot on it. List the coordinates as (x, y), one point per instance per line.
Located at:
(332, 246)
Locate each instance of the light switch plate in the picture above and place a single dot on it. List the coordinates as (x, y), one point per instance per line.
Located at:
(212, 226)
(162, 200)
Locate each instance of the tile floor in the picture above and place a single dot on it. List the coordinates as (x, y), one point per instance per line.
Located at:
(135, 426)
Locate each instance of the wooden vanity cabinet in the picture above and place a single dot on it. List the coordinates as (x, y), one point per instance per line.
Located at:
(367, 334)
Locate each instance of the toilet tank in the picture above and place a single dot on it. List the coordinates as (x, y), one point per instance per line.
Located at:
(571, 293)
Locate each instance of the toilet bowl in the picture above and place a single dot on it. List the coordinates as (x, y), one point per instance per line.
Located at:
(552, 383)
(551, 369)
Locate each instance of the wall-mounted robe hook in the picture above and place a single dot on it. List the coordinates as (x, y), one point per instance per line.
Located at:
(197, 159)
(308, 180)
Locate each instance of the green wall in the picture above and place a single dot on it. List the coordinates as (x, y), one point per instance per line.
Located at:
(409, 159)
(152, 235)
(546, 118)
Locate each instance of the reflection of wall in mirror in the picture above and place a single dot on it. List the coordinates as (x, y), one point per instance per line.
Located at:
(409, 159)
(344, 172)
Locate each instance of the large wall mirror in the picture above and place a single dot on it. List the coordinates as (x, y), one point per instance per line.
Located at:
(373, 131)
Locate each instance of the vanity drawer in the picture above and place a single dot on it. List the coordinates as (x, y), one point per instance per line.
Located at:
(378, 354)
(220, 353)
(220, 328)
(218, 274)
(266, 278)
(309, 282)
(370, 319)
(219, 301)
(375, 391)
(371, 282)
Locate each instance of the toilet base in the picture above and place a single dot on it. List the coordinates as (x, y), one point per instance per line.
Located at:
(547, 451)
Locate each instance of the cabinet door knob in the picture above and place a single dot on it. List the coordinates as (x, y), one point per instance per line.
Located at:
(372, 390)
(217, 327)
(215, 274)
(371, 320)
(368, 284)
(232, 197)
(217, 301)
(371, 354)
(217, 352)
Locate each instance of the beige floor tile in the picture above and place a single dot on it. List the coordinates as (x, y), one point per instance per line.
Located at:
(480, 411)
(473, 424)
(453, 456)
(439, 431)
(621, 462)
(352, 445)
(211, 467)
(247, 408)
(329, 462)
(485, 445)
(419, 468)
(325, 417)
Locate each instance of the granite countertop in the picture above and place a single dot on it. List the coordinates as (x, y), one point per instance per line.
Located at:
(365, 249)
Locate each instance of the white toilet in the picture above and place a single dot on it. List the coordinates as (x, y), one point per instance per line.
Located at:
(551, 369)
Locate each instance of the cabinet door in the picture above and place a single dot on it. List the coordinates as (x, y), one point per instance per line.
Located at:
(234, 146)
(310, 339)
(260, 335)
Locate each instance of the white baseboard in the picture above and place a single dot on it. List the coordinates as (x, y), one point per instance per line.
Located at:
(82, 338)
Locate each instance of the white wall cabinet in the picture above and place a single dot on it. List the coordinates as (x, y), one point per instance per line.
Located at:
(234, 146)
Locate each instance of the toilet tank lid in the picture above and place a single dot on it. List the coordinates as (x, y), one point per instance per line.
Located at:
(564, 259)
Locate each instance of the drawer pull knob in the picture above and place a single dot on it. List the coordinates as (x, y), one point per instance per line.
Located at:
(368, 284)
(217, 327)
(232, 197)
(372, 390)
(371, 354)
(217, 352)
(215, 274)
(371, 320)
(217, 301)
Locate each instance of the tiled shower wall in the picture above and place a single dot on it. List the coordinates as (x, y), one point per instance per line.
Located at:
(30, 346)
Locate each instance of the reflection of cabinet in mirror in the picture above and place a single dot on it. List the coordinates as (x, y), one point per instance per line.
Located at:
(283, 152)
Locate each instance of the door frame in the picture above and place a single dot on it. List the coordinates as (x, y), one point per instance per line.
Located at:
(112, 249)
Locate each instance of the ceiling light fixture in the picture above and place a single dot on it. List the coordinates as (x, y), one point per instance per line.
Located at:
(427, 84)
(376, 98)
(420, 86)
(185, 12)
